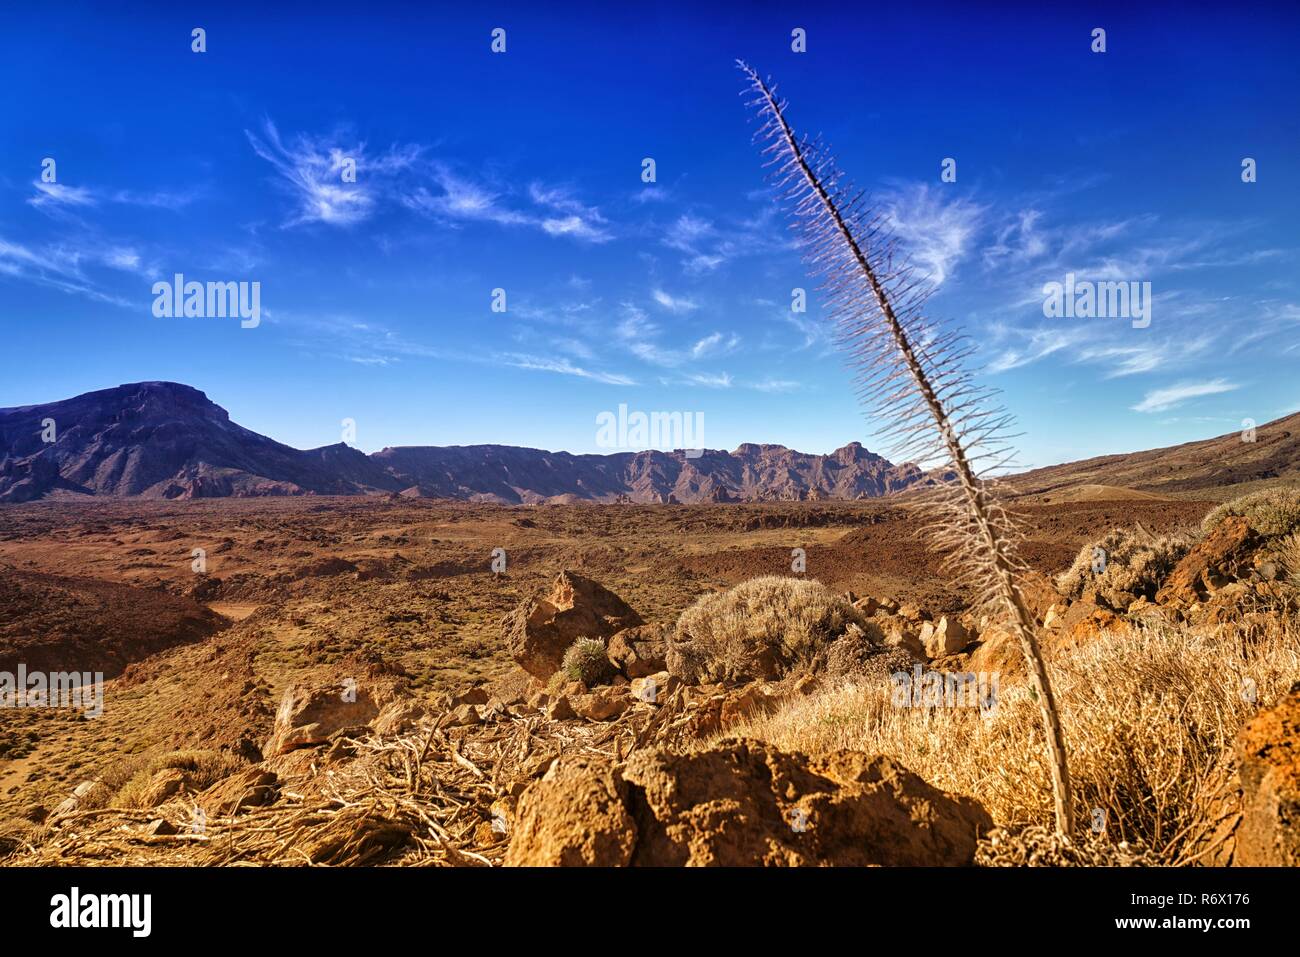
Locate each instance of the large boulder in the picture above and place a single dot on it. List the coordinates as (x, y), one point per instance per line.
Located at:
(742, 803)
(540, 630)
(1213, 562)
(310, 715)
(1268, 766)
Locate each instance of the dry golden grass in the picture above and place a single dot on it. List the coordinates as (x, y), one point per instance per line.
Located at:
(1148, 715)
(1289, 552)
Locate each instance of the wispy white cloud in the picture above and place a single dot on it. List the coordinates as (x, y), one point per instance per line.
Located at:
(678, 304)
(714, 344)
(67, 266)
(58, 194)
(776, 385)
(312, 170)
(564, 367)
(1158, 400)
(556, 211)
(937, 230)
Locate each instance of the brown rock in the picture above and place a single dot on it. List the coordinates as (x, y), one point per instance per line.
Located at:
(398, 717)
(1268, 765)
(947, 636)
(464, 716)
(561, 709)
(900, 633)
(309, 716)
(605, 702)
(1211, 563)
(539, 631)
(576, 815)
(913, 613)
(655, 688)
(639, 651)
(868, 606)
(742, 803)
(159, 828)
(470, 696)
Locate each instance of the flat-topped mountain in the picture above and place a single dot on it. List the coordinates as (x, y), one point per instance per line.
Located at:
(163, 440)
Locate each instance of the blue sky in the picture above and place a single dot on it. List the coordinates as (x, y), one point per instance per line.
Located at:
(522, 171)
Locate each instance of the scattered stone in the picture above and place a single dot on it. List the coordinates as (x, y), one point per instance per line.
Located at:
(467, 715)
(608, 701)
(398, 717)
(159, 828)
(470, 696)
(655, 688)
(947, 636)
(560, 709)
(901, 633)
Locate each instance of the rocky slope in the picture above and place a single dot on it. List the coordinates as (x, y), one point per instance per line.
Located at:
(166, 440)
(1227, 460)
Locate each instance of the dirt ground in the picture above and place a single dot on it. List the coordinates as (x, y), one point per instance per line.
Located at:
(199, 659)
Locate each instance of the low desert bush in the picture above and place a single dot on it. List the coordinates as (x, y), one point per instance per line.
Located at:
(129, 781)
(1148, 713)
(587, 661)
(762, 628)
(1271, 512)
(1136, 563)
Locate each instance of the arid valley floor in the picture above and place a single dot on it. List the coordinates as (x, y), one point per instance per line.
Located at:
(305, 592)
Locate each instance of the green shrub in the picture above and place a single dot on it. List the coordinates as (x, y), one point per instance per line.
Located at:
(587, 661)
(1271, 512)
(1136, 564)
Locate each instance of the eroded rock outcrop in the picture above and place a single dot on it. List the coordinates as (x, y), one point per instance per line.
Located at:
(741, 803)
(538, 632)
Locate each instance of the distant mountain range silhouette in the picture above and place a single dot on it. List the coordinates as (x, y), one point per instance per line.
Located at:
(165, 440)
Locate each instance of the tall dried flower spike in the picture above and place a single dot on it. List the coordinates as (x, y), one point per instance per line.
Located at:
(911, 374)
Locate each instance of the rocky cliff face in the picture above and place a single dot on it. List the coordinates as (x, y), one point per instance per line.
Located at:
(750, 473)
(166, 440)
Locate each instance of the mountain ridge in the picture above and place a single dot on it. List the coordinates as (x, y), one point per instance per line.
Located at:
(168, 440)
